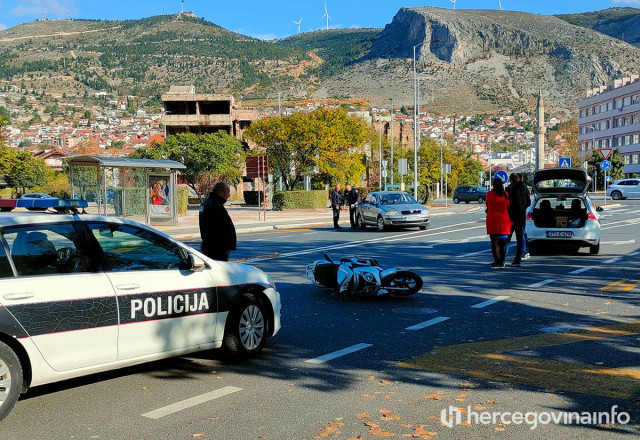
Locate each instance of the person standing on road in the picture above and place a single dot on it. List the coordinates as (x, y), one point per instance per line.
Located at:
(337, 201)
(498, 222)
(216, 227)
(525, 247)
(352, 198)
(519, 201)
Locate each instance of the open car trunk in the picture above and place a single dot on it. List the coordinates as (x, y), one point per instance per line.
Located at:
(559, 212)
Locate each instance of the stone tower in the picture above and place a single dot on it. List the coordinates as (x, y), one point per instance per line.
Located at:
(540, 132)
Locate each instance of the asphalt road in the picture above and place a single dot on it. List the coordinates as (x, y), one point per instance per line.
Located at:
(559, 334)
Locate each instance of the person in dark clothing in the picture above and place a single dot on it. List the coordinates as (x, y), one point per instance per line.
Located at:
(216, 227)
(519, 202)
(337, 201)
(352, 198)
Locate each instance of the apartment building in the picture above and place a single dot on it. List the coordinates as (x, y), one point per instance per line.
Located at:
(189, 112)
(609, 117)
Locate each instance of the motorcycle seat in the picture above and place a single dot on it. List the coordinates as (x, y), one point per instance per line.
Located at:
(327, 274)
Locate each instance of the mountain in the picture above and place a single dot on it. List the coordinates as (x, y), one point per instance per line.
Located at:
(621, 23)
(469, 60)
(485, 59)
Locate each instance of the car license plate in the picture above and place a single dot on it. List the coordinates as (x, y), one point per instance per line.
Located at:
(559, 234)
(412, 217)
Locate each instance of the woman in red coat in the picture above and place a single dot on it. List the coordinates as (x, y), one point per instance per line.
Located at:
(498, 222)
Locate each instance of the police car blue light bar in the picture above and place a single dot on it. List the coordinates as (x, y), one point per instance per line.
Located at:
(55, 203)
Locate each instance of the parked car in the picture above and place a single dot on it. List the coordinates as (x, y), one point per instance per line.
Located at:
(562, 214)
(383, 209)
(85, 293)
(469, 194)
(621, 189)
(26, 200)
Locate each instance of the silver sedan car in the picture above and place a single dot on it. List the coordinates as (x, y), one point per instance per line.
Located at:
(384, 209)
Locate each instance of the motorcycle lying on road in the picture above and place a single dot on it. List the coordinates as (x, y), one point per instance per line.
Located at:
(362, 277)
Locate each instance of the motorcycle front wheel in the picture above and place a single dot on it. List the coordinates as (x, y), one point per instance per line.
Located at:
(405, 283)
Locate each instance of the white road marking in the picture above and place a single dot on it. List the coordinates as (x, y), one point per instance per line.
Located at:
(613, 260)
(285, 236)
(633, 254)
(482, 252)
(582, 269)
(309, 233)
(188, 403)
(425, 324)
(564, 328)
(337, 354)
(541, 283)
(619, 242)
(388, 239)
(489, 302)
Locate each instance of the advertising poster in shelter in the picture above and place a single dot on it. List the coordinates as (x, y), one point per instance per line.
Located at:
(159, 196)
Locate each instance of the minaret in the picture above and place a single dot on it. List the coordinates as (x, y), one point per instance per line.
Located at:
(540, 132)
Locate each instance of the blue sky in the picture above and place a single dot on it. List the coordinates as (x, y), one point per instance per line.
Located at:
(268, 19)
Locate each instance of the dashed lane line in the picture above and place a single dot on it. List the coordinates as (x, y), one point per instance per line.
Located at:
(429, 323)
(541, 283)
(489, 302)
(337, 354)
(581, 270)
(188, 403)
(613, 260)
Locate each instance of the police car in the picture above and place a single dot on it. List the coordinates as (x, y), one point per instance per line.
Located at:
(81, 294)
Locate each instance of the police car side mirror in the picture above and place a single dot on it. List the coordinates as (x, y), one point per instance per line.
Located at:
(194, 263)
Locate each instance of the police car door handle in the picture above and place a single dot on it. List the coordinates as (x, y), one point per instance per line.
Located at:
(131, 286)
(18, 295)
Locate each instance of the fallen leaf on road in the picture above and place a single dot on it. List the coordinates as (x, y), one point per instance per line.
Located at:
(462, 395)
(492, 402)
(390, 417)
(435, 396)
(355, 438)
(498, 429)
(339, 419)
(385, 411)
(384, 382)
(406, 425)
(218, 377)
(363, 415)
(479, 407)
(198, 435)
(368, 396)
(370, 378)
(420, 432)
(144, 388)
(375, 430)
(332, 428)
(465, 423)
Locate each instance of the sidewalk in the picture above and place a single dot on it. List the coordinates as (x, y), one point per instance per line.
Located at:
(246, 220)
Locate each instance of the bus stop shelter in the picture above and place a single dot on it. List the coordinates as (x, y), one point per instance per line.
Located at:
(145, 189)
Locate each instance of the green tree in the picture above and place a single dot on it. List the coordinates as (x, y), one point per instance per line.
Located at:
(21, 170)
(325, 141)
(208, 158)
(5, 116)
(616, 172)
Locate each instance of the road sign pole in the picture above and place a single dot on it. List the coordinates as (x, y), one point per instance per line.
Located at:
(605, 187)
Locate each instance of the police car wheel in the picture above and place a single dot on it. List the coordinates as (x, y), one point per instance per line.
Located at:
(10, 379)
(380, 223)
(245, 333)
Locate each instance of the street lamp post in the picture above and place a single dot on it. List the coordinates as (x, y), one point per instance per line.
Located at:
(391, 130)
(415, 124)
(379, 152)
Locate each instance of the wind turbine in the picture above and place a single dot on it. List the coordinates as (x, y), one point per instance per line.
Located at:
(298, 23)
(454, 3)
(500, 3)
(326, 14)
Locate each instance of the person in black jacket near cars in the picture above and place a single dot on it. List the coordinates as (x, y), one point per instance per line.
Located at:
(216, 227)
(519, 203)
(336, 205)
(351, 198)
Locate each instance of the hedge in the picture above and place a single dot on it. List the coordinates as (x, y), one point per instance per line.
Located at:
(299, 200)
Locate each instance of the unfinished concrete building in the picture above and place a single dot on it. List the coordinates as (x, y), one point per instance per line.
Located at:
(189, 112)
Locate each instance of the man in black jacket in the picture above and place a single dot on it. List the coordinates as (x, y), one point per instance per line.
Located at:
(519, 203)
(336, 205)
(216, 227)
(352, 198)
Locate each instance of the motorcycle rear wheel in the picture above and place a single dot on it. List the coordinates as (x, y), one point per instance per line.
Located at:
(406, 282)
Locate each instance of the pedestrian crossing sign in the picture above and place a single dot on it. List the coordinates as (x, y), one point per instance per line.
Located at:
(565, 162)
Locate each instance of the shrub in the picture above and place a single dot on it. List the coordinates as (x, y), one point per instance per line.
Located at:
(300, 200)
(58, 186)
(7, 193)
(253, 198)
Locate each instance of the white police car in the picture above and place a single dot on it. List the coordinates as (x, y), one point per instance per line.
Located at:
(81, 294)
